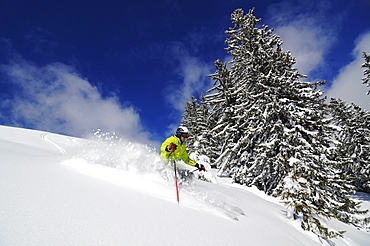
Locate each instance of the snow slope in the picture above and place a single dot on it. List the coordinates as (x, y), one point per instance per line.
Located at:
(60, 190)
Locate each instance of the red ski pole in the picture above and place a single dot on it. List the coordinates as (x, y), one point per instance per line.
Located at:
(176, 179)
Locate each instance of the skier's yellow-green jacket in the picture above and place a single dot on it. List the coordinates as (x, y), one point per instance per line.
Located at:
(180, 152)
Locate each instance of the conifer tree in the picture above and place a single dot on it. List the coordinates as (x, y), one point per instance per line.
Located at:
(366, 65)
(207, 145)
(196, 117)
(191, 121)
(223, 101)
(354, 140)
(272, 127)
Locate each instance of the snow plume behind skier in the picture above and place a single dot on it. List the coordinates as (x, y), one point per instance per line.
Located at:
(174, 147)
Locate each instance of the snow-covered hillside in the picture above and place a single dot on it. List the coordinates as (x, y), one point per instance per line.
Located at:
(60, 190)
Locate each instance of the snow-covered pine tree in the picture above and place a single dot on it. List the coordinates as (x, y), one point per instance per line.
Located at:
(354, 140)
(191, 121)
(273, 129)
(256, 98)
(366, 65)
(207, 145)
(222, 101)
(196, 118)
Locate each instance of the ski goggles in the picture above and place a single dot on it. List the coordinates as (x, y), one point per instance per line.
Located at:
(185, 135)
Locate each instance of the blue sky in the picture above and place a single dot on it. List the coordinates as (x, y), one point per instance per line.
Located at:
(130, 66)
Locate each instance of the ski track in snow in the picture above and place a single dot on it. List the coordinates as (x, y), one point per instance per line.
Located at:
(195, 194)
(201, 195)
(135, 180)
(46, 139)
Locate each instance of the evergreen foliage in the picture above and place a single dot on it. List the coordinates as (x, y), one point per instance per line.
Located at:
(354, 139)
(265, 127)
(366, 65)
(191, 121)
(197, 118)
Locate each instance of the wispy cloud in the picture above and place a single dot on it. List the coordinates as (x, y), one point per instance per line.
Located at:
(348, 85)
(56, 98)
(192, 72)
(303, 26)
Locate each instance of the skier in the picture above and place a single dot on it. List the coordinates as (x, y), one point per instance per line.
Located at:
(175, 147)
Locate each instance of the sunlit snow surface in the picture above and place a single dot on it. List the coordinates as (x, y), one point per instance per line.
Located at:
(60, 190)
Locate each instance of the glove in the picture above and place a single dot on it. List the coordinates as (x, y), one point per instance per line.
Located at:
(200, 167)
(171, 147)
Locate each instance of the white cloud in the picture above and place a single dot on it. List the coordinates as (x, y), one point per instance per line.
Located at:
(306, 44)
(348, 84)
(193, 73)
(302, 25)
(56, 98)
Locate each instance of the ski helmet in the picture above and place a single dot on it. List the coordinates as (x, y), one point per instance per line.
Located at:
(182, 130)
